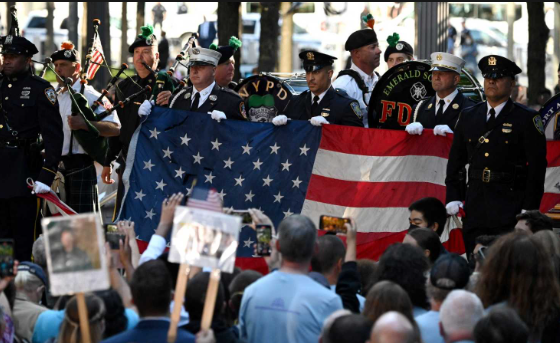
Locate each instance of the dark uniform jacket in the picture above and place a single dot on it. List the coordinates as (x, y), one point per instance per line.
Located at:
(336, 107)
(515, 155)
(29, 108)
(220, 99)
(427, 112)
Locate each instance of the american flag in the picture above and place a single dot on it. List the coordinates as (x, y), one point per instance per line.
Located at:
(97, 57)
(205, 198)
(368, 174)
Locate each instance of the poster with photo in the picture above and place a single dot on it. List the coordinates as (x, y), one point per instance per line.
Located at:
(75, 259)
(204, 238)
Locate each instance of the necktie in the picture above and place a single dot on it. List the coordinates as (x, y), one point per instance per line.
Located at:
(492, 119)
(315, 104)
(439, 113)
(194, 105)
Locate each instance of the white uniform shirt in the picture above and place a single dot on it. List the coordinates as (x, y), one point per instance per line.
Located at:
(321, 96)
(447, 100)
(347, 83)
(498, 109)
(65, 108)
(204, 94)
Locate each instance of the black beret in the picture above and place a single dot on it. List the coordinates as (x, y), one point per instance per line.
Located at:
(313, 60)
(227, 50)
(146, 38)
(360, 38)
(66, 52)
(400, 47)
(495, 67)
(18, 46)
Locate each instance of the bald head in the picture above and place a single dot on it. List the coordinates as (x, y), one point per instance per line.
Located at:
(392, 327)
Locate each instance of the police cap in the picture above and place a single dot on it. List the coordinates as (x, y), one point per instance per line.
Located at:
(313, 60)
(203, 57)
(495, 67)
(442, 61)
(18, 46)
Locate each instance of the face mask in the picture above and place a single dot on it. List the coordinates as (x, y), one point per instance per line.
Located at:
(412, 226)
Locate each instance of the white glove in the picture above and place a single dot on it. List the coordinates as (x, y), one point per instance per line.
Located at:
(39, 188)
(453, 207)
(280, 120)
(441, 130)
(318, 121)
(523, 211)
(218, 115)
(414, 128)
(146, 108)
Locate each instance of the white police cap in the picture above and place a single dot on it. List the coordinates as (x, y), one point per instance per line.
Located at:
(201, 56)
(446, 62)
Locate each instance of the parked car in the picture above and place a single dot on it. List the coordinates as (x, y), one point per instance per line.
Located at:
(35, 30)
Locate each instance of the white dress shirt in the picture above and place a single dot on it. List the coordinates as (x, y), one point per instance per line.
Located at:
(447, 100)
(204, 94)
(498, 109)
(65, 108)
(321, 96)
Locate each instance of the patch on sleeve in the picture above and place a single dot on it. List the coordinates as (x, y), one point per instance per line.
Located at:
(242, 109)
(356, 108)
(537, 120)
(51, 95)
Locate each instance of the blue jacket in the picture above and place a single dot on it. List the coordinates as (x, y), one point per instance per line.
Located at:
(150, 331)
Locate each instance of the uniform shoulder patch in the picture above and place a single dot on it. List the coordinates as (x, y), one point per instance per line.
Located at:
(537, 120)
(356, 108)
(51, 95)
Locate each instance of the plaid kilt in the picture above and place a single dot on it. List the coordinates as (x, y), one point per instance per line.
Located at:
(80, 185)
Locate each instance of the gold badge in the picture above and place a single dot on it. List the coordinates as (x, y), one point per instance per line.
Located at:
(492, 61)
(508, 124)
(455, 106)
(439, 57)
(325, 114)
(310, 56)
(430, 106)
(506, 130)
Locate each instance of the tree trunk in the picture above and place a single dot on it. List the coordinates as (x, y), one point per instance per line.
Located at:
(268, 46)
(73, 24)
(229, 25)
(140, 15)
(49, 43)
(8, 16)
(100, 10)
(124, 36)
(286, 41)
(536, 61)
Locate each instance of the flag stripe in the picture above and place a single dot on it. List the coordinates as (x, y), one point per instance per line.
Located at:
(553, 153)
(552, 180)
(357, 141)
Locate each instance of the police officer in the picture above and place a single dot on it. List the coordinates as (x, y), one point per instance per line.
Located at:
(206, 96)
(29, 108)
(504, 144)
(321, 103)
(359, 80)
(441, 111)
(144, 50)
(80, 177)
(397, 52)
(226, 64)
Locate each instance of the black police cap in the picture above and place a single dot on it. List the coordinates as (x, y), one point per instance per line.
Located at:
(18, 46)
(313, 60)
(146, 38)
(360, 38)
(67, 52)
(400, 47)
(495, 67)
(450, 271)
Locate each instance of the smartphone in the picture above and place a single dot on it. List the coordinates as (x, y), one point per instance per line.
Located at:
(245, 216)
(113, 239)
(333, 224)
(6, 257)
(264, 236)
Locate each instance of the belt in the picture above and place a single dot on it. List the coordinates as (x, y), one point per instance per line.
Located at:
(488, 176)
(17, 143)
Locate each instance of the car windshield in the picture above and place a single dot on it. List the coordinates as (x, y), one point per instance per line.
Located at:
(37, 23)
(249, 26)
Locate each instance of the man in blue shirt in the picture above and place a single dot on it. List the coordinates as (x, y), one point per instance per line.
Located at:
(287, 305)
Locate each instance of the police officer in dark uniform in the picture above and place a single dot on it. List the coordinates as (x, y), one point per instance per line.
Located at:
(206, 96)
(504, 144)
(321, 103)
(226, 65)
(29, 123)
(441, 111)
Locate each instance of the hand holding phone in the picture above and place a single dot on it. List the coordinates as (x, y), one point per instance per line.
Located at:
(333, 224)
(264, 238)
(6, 258)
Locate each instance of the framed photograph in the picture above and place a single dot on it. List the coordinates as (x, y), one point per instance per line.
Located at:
(204, 238)
(75, 259)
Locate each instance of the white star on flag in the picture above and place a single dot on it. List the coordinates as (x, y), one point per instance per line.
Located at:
(296, 182)
(209, 178)
(139, 195)
(167, 153)
(216, 145)
(286, 166)
(161, 184)
(150, 214)
(304, 150)
(274, 148)
(179, 172)
(239, 181)
(287, 213)
(222, 195)
(267, 181)
(247, 149)
(249, 197)
(257, 164)
(148, 165)
(185, 140)
(228, 163)
(154, 133)
(197, 158)
(248, 243)
(189, 190)
(278, 197)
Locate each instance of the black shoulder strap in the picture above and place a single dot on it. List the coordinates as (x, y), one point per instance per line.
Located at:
(354, 75)
(481, 141)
